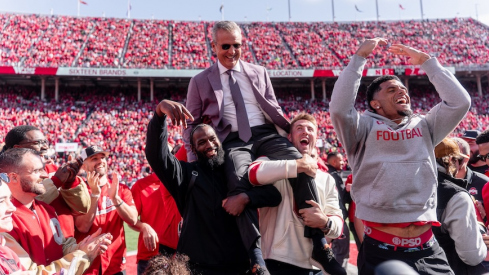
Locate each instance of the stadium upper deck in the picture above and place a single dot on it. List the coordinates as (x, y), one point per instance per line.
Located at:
(63, 41)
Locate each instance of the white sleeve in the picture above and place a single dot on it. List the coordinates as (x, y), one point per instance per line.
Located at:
(460, 220)
(331, 207)
(266, 171)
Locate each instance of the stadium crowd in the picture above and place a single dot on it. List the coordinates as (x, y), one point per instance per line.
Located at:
(54, 41)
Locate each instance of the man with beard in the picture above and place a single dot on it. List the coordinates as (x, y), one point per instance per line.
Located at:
(69, 198)
(238, 100)
(475, 180)
(35, 225)
(475, 163)
(210, 236)
(391, 153)
(112, 205)
(459, 234)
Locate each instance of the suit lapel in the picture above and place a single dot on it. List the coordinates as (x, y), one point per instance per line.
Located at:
(215, 81)
(252, 75)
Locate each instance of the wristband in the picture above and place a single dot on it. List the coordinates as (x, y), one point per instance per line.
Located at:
(95, 196)
(327, 226)
(117, 205)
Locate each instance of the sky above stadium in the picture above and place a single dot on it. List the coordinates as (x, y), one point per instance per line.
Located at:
(257, 10)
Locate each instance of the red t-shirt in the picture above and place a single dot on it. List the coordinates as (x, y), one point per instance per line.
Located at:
(38, 232)
(9, 261)
(107, 218)
(151, 197)
(65, 214)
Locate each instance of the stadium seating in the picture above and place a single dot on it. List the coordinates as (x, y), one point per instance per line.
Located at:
(53, 41)
(189, 46)
(60, 43)
(148, 46)
(105, 45)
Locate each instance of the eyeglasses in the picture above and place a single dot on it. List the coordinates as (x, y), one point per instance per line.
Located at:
(4, 177)
(228, 46)
(39, 142)
(48, 157)
(483, 157)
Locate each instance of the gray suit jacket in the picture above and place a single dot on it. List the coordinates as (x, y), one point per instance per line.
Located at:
(205, 101)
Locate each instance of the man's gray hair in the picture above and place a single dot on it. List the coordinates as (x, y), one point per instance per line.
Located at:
(229, 26)
(463, 145)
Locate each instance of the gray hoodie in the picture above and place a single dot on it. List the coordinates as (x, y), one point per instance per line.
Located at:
(394, 167)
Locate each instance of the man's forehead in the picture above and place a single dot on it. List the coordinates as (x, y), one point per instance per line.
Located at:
(484, 148)
(34, 134)
(98, 155)
(391, 83)
(204, 132)
(304, 122)
(32, 160)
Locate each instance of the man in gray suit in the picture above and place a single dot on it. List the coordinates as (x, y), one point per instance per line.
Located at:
(237, 99)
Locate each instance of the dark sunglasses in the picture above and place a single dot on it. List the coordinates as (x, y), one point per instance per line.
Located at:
(4, 177)
(228, 46)
(483, 157)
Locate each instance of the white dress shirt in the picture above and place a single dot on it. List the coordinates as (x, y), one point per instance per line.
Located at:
(255, 114)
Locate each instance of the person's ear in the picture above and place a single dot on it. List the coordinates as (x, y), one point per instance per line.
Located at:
(13, 176)
(375, 104)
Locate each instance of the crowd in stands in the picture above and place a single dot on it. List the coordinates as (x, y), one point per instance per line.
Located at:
(189, 46)
(308, 47)
(148, 45)
(60, 43)
(268, 46)
(17, 35)
(115, 121)
(105, 45)
(52, 41)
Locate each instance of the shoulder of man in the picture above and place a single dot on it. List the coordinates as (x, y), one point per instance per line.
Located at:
(253, 66)
(204, 73)
(479, 176)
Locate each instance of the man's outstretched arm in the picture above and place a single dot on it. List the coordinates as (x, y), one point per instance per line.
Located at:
(344, 116)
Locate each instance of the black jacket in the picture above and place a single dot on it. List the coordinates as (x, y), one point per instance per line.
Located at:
(447, 188)
(209, 236)
(476, 182)
(343, 195)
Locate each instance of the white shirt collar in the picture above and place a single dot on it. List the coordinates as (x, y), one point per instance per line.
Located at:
(223, 69)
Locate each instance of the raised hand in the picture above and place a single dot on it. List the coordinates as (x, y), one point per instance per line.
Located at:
(175, 111)
(113, 187)
(367, 47)
(67, 173)
(416, 57)
(93, 180)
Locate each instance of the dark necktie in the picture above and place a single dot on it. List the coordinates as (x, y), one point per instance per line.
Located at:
(244, 129)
